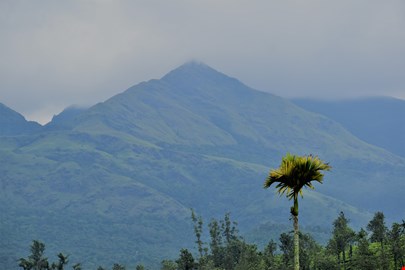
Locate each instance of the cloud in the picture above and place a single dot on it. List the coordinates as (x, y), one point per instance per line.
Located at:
(58, 53)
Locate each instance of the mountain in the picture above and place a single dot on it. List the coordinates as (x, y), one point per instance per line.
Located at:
(63, 120)
(377, 120)
(13, 123)
(115, 182)
(195, 106)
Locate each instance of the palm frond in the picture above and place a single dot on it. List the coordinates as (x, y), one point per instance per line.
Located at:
(295, 172)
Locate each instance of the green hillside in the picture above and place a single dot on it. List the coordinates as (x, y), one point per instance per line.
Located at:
(376, 120)
(199, 110)
(115, 182)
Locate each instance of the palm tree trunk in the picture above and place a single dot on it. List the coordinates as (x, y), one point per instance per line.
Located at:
(296, 245)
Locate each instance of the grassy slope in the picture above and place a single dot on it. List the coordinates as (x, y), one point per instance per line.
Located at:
(121, 176)
(198, 110)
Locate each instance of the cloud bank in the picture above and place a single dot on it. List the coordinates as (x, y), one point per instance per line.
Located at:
(57, 53)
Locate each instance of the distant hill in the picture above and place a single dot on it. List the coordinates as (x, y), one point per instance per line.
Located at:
(377, 120)
(13, 123)
(115, 182)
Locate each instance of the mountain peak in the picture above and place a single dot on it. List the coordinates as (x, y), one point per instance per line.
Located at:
(194, 69)
(194, 65)
(197, 77)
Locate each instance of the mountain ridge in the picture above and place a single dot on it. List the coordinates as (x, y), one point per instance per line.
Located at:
(13, 123)
(127, 169)
(178, 114)
(376, 120)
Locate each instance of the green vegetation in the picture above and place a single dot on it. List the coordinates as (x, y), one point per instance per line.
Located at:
(120, 177)
(294, 173)
(225, 249)
(37, 261)
(343, 236)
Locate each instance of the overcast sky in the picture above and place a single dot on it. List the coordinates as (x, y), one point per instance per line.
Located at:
(57, 53)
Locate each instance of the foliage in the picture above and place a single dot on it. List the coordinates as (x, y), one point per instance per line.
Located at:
(37, 261)
(396, 240)
(118, 266)
(379, 234)
(364, 255)
(168, 265)
(342, 238)
(377, 228)
(294, 173)
(236, 254)
(185, 261)
(198, 225)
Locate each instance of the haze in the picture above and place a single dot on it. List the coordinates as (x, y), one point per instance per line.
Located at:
(58, 53)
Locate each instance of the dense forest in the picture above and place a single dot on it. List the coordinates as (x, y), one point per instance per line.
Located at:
(222, 248)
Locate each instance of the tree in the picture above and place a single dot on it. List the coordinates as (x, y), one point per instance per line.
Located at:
(294, 173)
(168, 265)
(216, 242)
(342, 236)
(396, 240)
(225, 244)
(326, 260)
(364, 256)
(35, 261)
(25, 264)
(249, 257)
(63, 260)
(118, 266)
(77, 266)
(233, 244)
(229, 229)
(198, 230)
(310, 251)
(185, 261)
(308, 248)
(269, 254)
(286, 247)
(378, 234)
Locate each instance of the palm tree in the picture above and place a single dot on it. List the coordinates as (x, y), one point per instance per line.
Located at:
(294, 173)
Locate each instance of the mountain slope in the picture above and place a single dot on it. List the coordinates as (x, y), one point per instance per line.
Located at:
(196, 107)
(377, 120)
(126, 171)
(64, 191)
(13, 123)
(63, 120)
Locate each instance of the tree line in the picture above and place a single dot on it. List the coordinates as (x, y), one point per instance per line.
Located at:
(375, 247)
